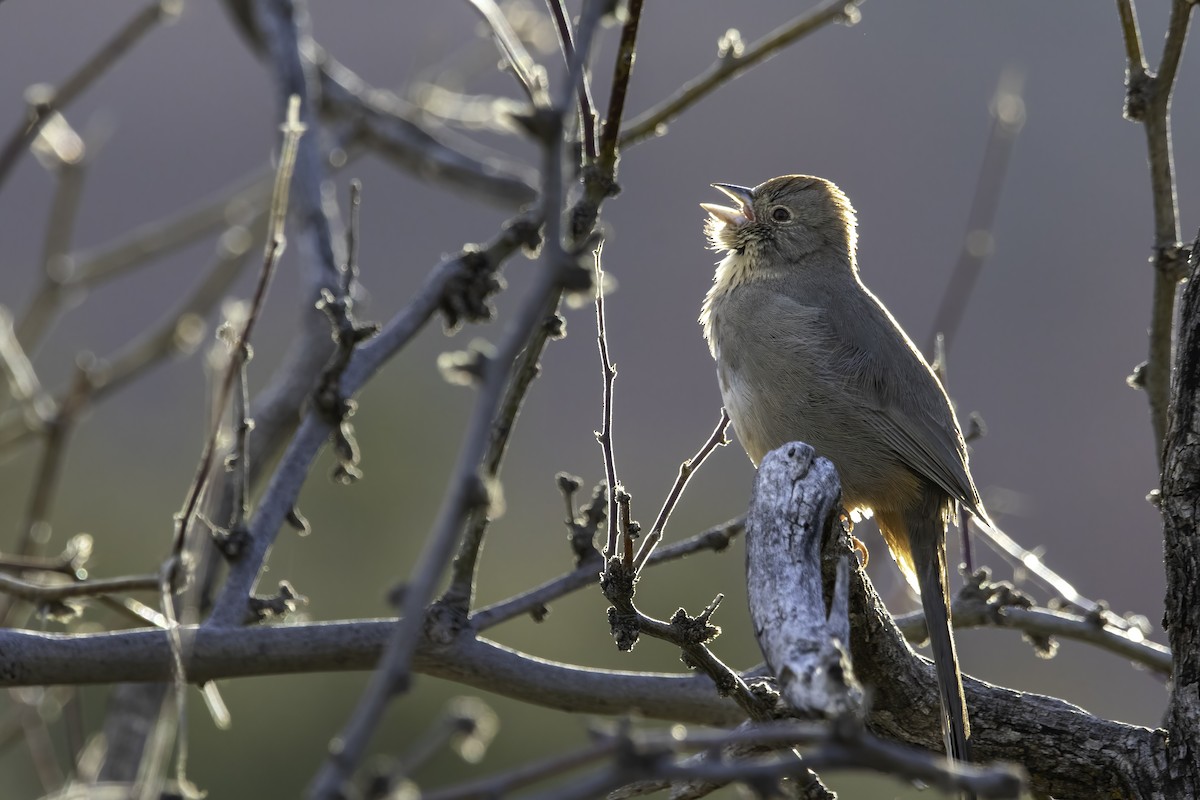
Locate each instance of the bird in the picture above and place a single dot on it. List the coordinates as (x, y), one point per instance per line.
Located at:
(805, 352)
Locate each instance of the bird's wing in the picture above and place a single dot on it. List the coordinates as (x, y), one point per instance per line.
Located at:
(912, 415)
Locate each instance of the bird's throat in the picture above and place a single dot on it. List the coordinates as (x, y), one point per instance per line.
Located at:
(733, 270)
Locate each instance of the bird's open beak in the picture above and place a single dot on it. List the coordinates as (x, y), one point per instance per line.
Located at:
(736, 217)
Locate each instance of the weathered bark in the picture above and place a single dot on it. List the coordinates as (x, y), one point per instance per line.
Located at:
(1181, 510)
(1067, 752)
(804, 647)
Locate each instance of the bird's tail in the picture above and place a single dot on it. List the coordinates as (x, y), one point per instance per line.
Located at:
(929, 563)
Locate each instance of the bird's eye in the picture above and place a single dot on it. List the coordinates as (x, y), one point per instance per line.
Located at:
(781, 214)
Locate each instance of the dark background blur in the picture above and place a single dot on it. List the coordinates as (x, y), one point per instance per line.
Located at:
(894, 109)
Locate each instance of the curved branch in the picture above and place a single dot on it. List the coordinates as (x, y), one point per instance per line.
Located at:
(1067, 751)
(28, 658)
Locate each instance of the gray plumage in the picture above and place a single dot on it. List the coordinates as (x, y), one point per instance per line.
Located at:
(805, 352)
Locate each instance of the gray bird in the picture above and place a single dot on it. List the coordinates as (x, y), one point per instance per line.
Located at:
(805, 352)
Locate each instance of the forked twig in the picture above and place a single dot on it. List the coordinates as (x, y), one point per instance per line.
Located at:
(276, 242)
(686, 470)
(1148, 101)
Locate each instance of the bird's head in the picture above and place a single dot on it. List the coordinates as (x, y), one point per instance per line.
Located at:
(782, 220)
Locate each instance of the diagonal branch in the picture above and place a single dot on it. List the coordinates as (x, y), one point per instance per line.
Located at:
(523, 67)
(732, 64)
(45, 101)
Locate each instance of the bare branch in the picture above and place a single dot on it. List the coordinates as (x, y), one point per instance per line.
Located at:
(686, 470)
(466, 492)
(1008, 117)
(636, 754)
(566, 41)
(732, 64)
(51, 592)
(31, 658)
(622, 72)
(36, 406)
(716, 538)
(236, 204)
(524, 68)
(1148, 101)
(973, 608)
(604, 435)
(391, 127)
(292, 130)
(37, 318)
(45, 101)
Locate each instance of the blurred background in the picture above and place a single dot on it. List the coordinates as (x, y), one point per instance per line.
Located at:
(894, 109)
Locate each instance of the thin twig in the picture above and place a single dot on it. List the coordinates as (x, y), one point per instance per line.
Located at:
(48, 100)
(466, 727)
(686, 470)
(276, 241)
(971, 611)
(235, 204)
(522, 64)
(635, 755)
(237, 462)
(682, 631)
(281, 495)
(1131, 34)
(460, 592)
(601, 181)
(36, 319)
(292, 130)
(526, 774)
(1008, 117)
(716, 539)
(566, 41)
(52, 592)
(178, 334)
(1148, 101)
(397, 131)
(604, 435)
(652, 122)
(622, 73)
(466, 491)
(1033, 565)
(35, 405)
(35, 530)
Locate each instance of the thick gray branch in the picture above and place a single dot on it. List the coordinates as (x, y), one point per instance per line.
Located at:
(795, 497)
(28, 658)
(1067, 752)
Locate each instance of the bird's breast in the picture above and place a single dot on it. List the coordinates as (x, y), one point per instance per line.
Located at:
(781, 382)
